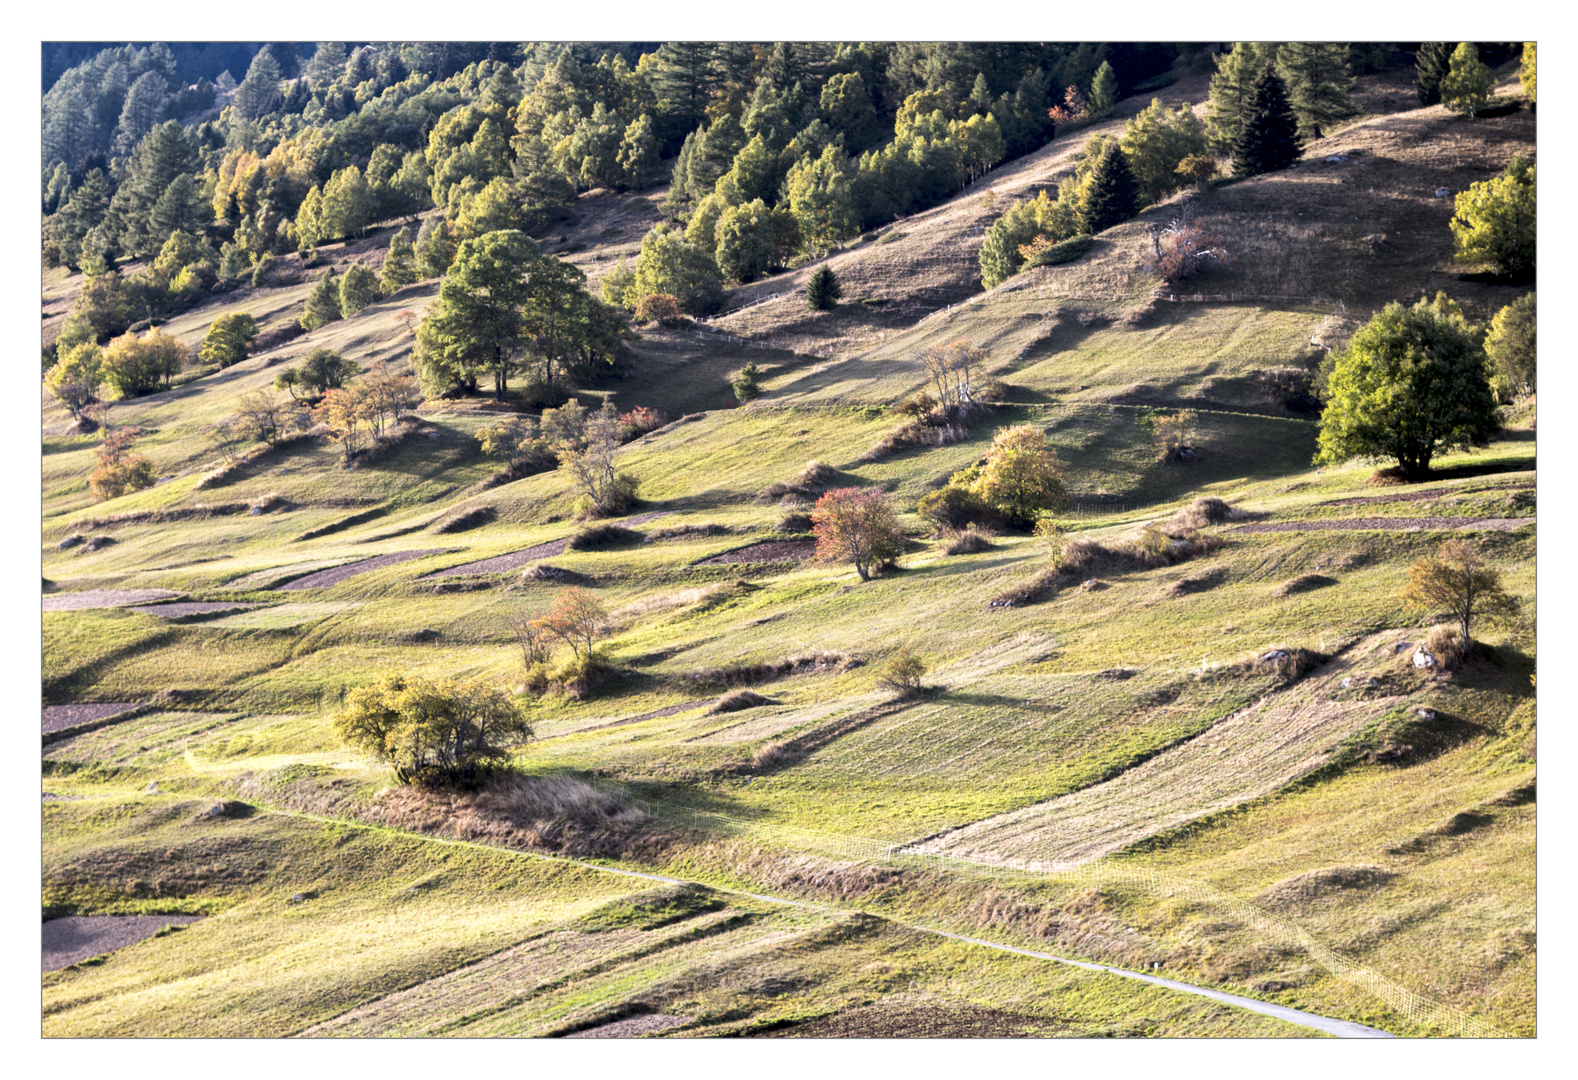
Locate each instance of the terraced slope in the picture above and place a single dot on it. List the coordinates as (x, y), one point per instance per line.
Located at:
(1251, 754)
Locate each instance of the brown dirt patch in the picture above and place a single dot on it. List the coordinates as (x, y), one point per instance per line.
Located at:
(766, 552)
(642, 519)
(325, 578)
(195, 607)
(499, 563)
(925, 1020)
(60, 717)
(631, 1026)
(1389, 524)
(1423, 496)
(106, 598)
(78, 937)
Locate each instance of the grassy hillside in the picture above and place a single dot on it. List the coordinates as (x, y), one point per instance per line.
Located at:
(1125, 721)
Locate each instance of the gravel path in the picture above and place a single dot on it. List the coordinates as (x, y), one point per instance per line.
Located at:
(766, 552)
(500, 563)
(325, 578)
(59, 717)
(194, 607)
(631, 1026)
(105, 598)
(1389, 524)
(77, 937)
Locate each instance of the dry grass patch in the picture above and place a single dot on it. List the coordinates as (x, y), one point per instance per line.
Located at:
(1302, 584)
(814, 662)
(556, 813)
(969, 541)
(1300, 890)
(813, 480)
(738, 700)
(605, 535)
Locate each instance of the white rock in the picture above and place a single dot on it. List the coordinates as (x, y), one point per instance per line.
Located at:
(1423, 658)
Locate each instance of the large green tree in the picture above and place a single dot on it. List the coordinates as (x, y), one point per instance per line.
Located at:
(1466, 86)
(1511, 347)
(1267, 138)
(1411, 384)
(1430, 67)
(1111, 194)
(475, 328)
(1494, 221)
(1319, 84)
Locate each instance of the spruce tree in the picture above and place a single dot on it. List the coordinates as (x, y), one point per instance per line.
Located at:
(1103, 90)
(1319, 84)
(1235, 74)
(323, 303)
(1430, 67)
(1268, 137)
(823, 290)
(180, 207)
(1111, 194)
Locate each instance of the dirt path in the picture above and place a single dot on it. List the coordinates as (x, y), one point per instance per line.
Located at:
(105, 598)
(78, 937)
(333, 576)
(194, 607)
(1423, 496)
(1389, 524)
(1250, 754)
(60, 717)
(499, 563)
(1344, 1029)
(766, 552)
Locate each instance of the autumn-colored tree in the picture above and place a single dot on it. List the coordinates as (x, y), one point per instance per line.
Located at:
(577, 618)
(348, 414)
(120, 471)
(1183, 248)
(857, 525)
(952, 368)
(1022, 476)
(1175, 433)
(1459, 580)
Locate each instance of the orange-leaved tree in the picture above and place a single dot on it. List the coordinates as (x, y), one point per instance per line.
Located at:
(857, 525)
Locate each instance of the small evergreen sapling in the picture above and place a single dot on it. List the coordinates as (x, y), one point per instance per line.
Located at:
(823, 289)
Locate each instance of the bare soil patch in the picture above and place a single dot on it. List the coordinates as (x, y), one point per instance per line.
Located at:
(78, 937)
(1389, 524)
(195, 607)
(499, 563)
(924, 1020)
(325, 578)
(106, 598)
(60, 717)
(1423, 496)
(766, 552)
(631, 1026)
(642, 519)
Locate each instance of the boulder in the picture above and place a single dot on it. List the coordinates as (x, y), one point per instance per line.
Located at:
(1423, 658)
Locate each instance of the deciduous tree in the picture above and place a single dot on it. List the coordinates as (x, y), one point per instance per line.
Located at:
(228, 339)
(1494, 221)
(1411, 384)
(858, 526)
(1459, 580)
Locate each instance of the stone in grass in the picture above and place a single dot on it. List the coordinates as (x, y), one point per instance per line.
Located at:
(1425, 714)
(1424, 658)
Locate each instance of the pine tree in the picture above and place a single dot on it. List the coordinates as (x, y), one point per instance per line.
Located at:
(181, 207)
(1235, 74)
(164, 154)
(1103, 90)
(144, 102)
(1268, 137)
(823, 290)
(1111, 194)
(400, 264)
(323, 303)
(1319, 83)
(685, 78)
(1430, 67)
(638, 153)
(259, 93)
(1466, 87)
(435, 247)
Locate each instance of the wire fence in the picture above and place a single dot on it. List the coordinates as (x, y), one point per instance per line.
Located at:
(1099, 873)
